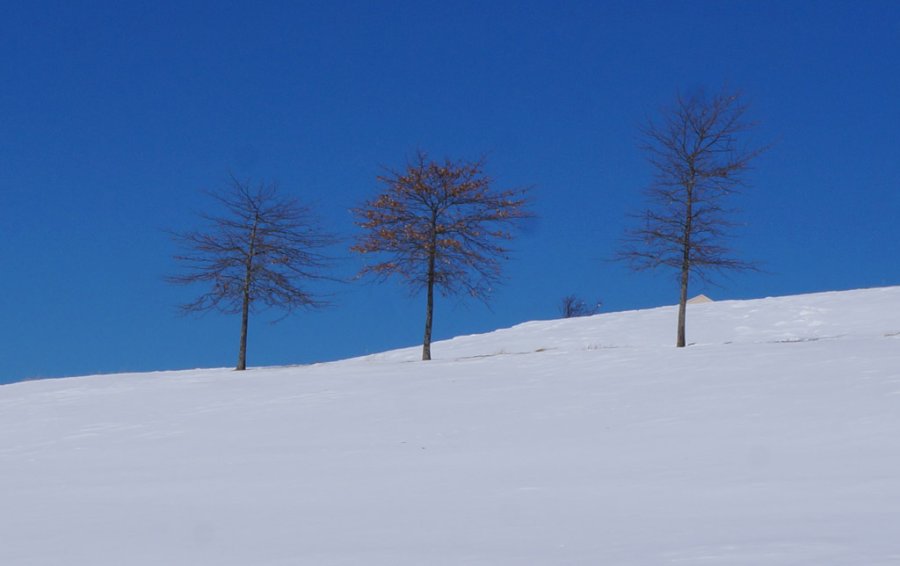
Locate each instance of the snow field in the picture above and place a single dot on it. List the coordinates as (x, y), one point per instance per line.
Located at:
(771, 441)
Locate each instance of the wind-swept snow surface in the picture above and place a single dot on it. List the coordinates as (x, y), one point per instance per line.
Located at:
(775, 439)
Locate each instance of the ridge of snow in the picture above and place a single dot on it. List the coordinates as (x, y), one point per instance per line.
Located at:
(809, 317)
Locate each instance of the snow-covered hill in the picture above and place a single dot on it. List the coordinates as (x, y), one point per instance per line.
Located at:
(775, 439)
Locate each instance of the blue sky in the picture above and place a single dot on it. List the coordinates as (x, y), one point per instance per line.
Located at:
(116, 115)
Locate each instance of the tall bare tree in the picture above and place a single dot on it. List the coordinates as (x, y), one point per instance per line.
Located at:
(439, 225)
(699, 160)
(255, 253)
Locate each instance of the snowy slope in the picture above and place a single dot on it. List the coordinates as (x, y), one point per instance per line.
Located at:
(775, 439)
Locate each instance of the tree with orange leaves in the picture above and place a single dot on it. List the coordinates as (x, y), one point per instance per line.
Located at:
(439, 225)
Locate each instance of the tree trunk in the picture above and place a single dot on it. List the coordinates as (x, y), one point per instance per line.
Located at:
(429, 309)
(685, 265)
(245, 304)
(245, 316)
(682, 305)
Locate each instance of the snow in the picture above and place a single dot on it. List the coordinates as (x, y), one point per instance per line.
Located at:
(771, 441)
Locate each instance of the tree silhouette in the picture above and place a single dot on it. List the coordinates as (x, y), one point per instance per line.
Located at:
(254, 254)
(696, 152)
(572, 306)
(439, 225)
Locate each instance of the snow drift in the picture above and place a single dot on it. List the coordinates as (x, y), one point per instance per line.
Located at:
(772, 440)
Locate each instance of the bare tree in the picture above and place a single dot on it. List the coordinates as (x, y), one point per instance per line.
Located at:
(699, 161)
(572, 306)
(254, 254)
(439, 225)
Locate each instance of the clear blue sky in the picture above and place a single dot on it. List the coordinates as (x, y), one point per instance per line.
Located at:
(113, 117)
